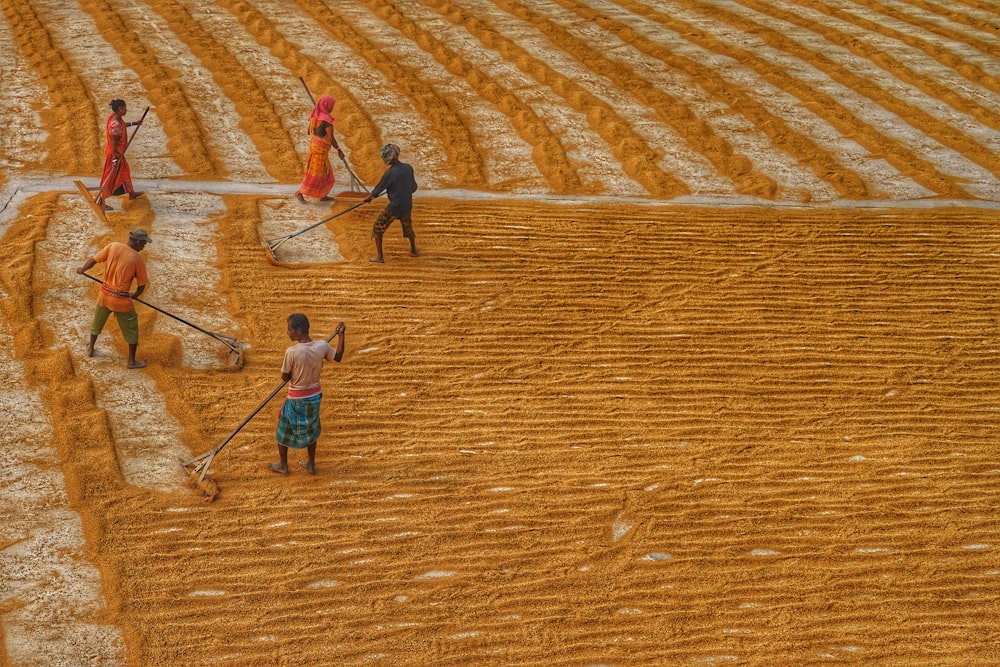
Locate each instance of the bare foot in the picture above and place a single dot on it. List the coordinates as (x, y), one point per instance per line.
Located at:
(310, 468)
(278, 468)
(414, 253)
(90, 349)
(137, 364)
(104, 207)
(377, 260)
(136, 195)
(327, 199)
(298, 195)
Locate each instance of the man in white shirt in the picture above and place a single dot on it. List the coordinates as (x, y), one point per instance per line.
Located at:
(298, 423)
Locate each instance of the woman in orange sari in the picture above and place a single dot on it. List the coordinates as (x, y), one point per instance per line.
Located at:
(116, 179)
(318, 179)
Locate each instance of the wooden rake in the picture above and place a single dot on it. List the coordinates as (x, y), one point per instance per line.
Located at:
(235, 346)
(201, 463)
(274, 244)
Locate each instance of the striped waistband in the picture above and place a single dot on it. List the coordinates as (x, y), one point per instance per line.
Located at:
(114, 292)
(304, 393)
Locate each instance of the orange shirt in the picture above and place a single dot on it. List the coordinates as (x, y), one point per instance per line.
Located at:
(124, 265)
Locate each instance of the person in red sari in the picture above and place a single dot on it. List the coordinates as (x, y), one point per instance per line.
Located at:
(318, 179)
(116, 179)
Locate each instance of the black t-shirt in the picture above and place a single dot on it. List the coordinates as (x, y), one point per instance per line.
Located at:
(398, 182)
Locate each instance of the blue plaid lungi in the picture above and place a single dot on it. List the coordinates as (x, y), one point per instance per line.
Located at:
(298, 423)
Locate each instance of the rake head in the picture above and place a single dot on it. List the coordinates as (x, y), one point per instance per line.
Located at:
(198, 465)
(352, 194)
(207, 486)
(197, 470)
(236, 357)
(272, 246)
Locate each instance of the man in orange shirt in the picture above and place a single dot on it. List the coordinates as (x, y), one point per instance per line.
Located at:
(123, 266)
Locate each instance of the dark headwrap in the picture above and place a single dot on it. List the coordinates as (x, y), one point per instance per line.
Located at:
(388, 152)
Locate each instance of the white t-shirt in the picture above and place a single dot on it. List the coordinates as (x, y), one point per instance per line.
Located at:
(305, 362)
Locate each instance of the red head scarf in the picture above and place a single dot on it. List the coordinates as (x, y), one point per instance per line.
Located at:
(321, 112)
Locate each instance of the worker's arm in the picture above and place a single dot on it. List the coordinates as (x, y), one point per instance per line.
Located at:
(339, 353)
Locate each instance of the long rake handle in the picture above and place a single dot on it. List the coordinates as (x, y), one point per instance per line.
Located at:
(274, 243)
(205, 460)
(248, 418)
(308, 92)
(228, 341)
(136, 130)
(354, 178)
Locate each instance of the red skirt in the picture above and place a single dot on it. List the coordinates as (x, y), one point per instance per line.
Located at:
(116, 181)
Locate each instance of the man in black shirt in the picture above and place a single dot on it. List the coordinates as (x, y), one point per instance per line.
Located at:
(398, 183)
